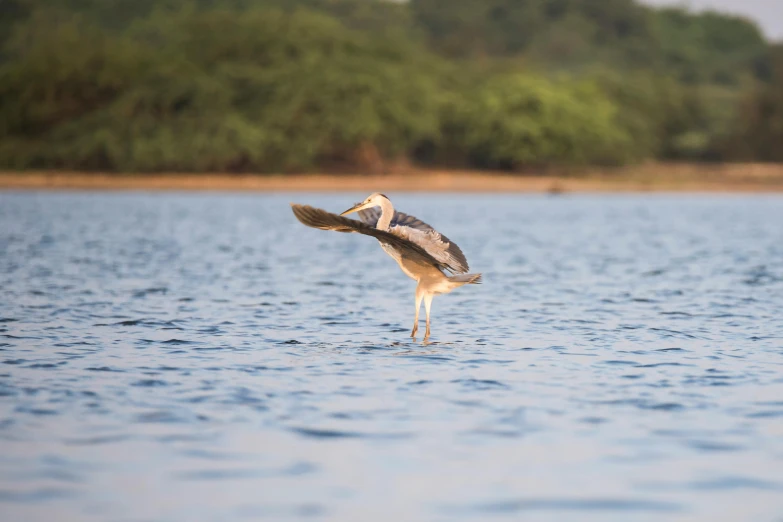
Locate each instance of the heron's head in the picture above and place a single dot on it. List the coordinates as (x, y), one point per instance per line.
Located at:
(373, 200)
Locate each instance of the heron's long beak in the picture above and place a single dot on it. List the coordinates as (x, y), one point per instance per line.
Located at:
(357, 207)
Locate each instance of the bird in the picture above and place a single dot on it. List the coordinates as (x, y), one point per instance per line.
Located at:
(434, 261)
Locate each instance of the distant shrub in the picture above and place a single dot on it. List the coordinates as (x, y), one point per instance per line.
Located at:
(522, 120)
(757, 133)
(262, 90)
(300, 85)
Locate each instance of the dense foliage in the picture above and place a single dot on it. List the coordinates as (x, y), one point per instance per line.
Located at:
(296, 85)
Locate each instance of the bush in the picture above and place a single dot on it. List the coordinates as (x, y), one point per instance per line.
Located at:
(263, 90)
(758, 128)
(296, 85)
(520, 120)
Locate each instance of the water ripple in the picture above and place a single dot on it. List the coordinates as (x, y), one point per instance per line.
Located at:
(575, 504)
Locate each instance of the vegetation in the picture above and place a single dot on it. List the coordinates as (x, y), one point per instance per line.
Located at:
(298, 85)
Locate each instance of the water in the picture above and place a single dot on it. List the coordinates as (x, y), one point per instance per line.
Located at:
(206, 357)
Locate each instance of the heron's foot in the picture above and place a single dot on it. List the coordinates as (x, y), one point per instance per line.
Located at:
(413, 333)
(427, 334)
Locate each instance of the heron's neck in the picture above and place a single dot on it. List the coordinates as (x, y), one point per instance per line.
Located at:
(387, 212)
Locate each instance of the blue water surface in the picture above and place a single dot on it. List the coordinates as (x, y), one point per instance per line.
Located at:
(189, 357)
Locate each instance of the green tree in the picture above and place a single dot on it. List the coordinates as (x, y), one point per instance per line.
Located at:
(708, 47)
(264, 89)
(519, 121)
(759, 127)
(286, 85)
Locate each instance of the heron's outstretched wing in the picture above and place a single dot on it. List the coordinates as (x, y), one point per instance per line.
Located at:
(417, 231)
(435, 244)
(317, 218)
(372, 215)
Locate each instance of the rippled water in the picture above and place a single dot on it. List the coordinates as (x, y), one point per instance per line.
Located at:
(206, 357)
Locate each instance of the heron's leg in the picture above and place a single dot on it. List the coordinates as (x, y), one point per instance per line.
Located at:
(427, 306)
(419, 296)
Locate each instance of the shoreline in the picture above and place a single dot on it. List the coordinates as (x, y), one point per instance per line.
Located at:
(653, 177)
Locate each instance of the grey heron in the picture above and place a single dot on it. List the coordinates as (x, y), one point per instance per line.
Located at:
(423, 253)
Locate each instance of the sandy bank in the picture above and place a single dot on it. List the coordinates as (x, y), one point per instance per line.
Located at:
(643, 178)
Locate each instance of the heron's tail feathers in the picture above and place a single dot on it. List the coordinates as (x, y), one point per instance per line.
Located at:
(465, 279)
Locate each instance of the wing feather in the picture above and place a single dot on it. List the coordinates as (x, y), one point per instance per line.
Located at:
(437, 245)
(417, 231)
(371, 216)
(321, 219)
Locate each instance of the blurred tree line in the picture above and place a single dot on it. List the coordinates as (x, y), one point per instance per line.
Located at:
(297, 85)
